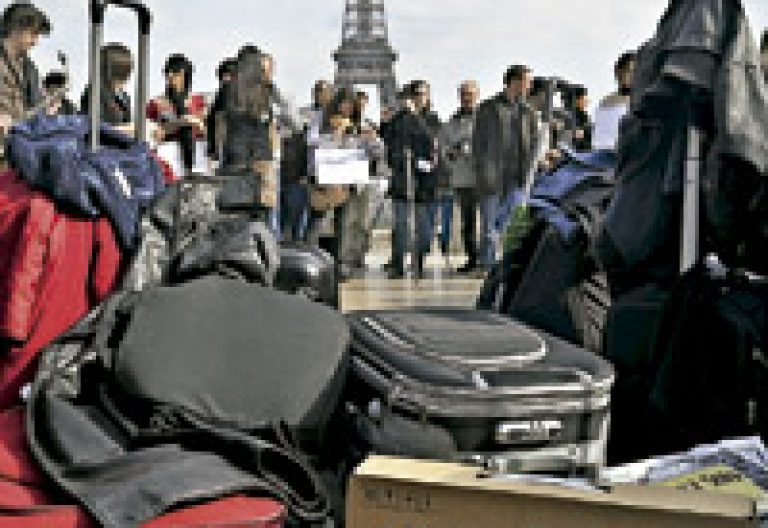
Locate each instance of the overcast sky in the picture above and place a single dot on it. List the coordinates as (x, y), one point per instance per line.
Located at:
(443, 41)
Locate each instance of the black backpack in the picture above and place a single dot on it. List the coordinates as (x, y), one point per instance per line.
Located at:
(187, 393)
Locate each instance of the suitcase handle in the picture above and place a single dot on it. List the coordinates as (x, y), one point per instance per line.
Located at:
(97, 11)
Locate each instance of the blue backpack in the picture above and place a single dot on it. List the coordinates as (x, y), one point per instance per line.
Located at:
(118, 181)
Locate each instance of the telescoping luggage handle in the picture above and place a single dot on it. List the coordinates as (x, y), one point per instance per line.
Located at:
(98, 10)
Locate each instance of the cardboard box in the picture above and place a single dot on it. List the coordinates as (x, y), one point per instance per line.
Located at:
(397, 493)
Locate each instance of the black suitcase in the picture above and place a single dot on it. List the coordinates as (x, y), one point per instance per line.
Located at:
(308, 271)
(481, 388)
(631, 328)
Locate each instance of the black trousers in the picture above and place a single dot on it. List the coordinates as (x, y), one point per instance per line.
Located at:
(468, 202)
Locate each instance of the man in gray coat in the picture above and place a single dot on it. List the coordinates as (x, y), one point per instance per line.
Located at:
(456, 141)
(21, 26)
(504, 145)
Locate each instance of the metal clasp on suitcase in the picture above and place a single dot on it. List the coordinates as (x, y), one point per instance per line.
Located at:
(528, 431)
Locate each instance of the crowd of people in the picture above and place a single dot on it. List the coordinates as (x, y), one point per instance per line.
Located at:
(485, 151)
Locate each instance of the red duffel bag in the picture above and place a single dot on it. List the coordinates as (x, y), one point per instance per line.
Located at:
(235, 512)
(26, 500)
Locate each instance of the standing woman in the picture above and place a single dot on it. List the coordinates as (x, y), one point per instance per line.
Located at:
(350, 203)
(251, 131)
(116, 69)
(178, 114)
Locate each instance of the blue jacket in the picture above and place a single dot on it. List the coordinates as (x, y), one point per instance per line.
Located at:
(51, 153)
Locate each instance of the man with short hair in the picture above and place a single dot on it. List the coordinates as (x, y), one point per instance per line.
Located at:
(22, 25)
(54, 88)
(613, 107)
(315, 117)
(582, 123)
(456, 144)
(295, 166)
(415, 129)
(504, 147)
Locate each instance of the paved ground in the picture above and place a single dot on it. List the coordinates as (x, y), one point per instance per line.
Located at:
(442, 287)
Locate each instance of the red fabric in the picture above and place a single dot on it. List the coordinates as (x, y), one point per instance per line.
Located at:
(196, 106)
(16, 463)
(24, 502)
(168, 175)
(46, 517)
(235, 512)
(56, 269)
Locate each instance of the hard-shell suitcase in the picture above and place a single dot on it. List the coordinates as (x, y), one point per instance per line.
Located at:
(488, 390)
(308, 271)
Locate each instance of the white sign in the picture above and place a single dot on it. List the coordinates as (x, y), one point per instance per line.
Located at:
(607, 122)
(341, 166)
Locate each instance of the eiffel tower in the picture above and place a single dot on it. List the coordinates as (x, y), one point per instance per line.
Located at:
(365, 55)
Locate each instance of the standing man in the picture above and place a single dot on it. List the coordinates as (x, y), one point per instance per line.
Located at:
(22, 25)
(422, 130)
(392, 134)
(315, 117)
(456, 143)
(615, 106)
(504, 146)
(582, 123)
(54, 89)
(415, 129)
(295, 164)
(225, 73)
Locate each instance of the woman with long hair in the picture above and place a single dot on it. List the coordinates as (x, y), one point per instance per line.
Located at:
(348, 203)
(178, 114)
(342, 121)
(251, 133)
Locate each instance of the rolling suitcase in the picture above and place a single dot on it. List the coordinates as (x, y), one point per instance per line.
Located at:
(308, 271)
(477, 387)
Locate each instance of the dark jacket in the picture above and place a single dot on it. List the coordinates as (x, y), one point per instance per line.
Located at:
(294, 159)
(247, 138)
(115, 107)
(218, 106)
(582, 122)
(702, 47)
(504, 144)
(418, 133)
(67, 107)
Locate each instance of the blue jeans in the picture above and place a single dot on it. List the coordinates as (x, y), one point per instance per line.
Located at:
(400, 232)
(426, 216)
(426, 222)
(294, 214)
(491, 237)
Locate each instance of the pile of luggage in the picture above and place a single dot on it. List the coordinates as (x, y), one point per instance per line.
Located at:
(181, 386)
(656, 259)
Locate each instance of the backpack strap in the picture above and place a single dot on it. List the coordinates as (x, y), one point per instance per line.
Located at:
(269, 461)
